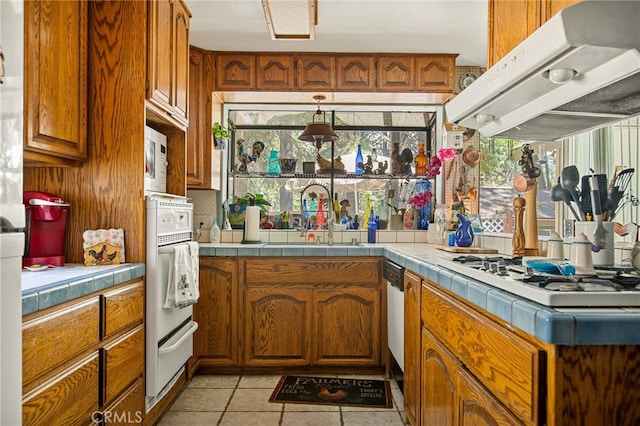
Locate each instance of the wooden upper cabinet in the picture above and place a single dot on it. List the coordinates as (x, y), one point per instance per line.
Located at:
(435, 73)
(235, 72)
(510, 22)
(356, 73)
(56, 58)
(275, 72)
(199, 136)
(181, 104)
(168, 57)
(396, 73)
(316, 72)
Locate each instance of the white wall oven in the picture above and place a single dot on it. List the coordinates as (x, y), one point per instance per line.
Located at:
(169, 337)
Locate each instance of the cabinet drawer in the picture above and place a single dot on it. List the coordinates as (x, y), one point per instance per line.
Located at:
(128, 409)
(124, 361)
(50, 340)
(507, 365)
(310, 271)
(68, 399)
(122, 307)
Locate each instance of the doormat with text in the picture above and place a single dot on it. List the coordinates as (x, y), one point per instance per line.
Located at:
(333, 391)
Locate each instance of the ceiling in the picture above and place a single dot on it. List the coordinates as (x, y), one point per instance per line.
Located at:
(398, 26)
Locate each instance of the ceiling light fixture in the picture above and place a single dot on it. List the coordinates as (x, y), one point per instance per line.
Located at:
(291, 19)
(318, 131)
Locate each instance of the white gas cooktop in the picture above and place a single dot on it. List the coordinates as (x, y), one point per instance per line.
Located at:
(591, 295)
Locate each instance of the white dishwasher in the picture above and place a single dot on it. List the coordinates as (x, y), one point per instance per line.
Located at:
(394, 274)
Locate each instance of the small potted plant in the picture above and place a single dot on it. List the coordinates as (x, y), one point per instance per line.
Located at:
(222, 134)
(238, 208)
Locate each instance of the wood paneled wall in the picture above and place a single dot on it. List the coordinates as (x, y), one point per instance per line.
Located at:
(107, 191)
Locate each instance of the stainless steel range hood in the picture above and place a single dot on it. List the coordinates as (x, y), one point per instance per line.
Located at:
(592, 52)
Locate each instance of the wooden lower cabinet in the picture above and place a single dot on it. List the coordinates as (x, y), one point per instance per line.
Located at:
(69, 398)
(74, 383)
(277, 327)
(216, 341)
(128, 409)
(346, 326)
(412, 346)
(439, 384)
(451, 395)
(307, 311)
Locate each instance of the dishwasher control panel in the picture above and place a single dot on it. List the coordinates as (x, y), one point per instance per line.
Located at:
(394, 274)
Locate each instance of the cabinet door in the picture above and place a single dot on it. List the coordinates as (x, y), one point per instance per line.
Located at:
(123, 363)
(277, 326)
(510, 22)
(275, 72)
(477, 407)
(412, 348)
(439, 383)
(199, 135)
(122, 308)
(161, 53)
(168, 57)
(396, 73)
(503, 362)
(235, 72)
(316, 72)
(181, 84)
(347, 322)
(50, 340)
(551, 7)
(435, 73)
(356, 73)
(128, 409)
(216, 340)
(56, 54)
(71, 398)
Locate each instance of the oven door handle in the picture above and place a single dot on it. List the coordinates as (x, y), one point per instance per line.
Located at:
(192, 329)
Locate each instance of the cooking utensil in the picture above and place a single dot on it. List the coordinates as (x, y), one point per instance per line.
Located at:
(560, 194)
(586, 205)
(620, 186)
(599, 234)
(570, 178)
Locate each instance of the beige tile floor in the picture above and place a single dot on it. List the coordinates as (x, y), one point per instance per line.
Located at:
(244, 401)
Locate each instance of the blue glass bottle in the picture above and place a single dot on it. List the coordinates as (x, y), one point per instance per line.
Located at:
(359, 161)
(371, 228)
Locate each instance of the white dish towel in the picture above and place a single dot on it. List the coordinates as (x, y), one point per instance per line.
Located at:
(183, 286)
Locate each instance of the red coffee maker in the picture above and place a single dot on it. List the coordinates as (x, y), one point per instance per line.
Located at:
(46, 229)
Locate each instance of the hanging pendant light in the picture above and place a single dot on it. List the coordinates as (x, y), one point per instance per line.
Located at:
(318, 131)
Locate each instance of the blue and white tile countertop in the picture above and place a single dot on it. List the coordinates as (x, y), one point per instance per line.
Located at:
(50, 287)
(562, 326)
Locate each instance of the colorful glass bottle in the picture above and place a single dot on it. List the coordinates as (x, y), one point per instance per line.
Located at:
(359, 162)
(320, 219)
(367, 212)
(273, 167)
(421, 161)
